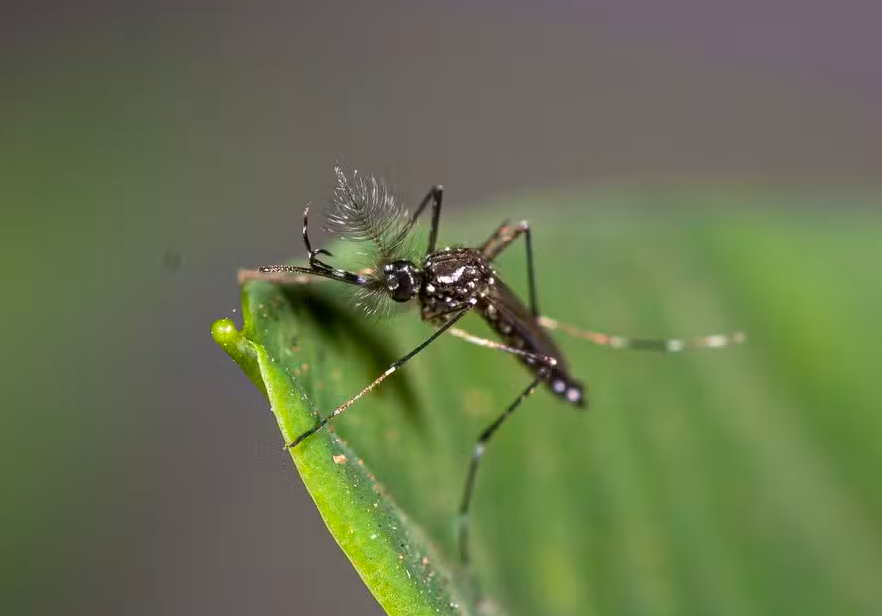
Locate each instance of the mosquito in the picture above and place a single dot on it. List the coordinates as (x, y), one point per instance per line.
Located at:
(447, 284)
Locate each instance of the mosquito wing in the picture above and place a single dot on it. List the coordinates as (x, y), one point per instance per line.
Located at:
(516, 321)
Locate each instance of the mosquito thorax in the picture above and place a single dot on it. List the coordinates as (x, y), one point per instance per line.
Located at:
(453, 275)
(403, 280)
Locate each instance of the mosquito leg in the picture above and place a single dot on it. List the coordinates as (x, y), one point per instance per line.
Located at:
(672, 345)
(537, 358)
(547, 362)
(305, 234)
(317, 267)
(316, 264)
(500, 232)
(247, 275)
(275, 273)
(395, 366)
(434, 196)
(481, 445)
(503, 238)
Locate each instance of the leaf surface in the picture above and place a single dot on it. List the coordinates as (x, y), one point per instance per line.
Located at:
(738, 481)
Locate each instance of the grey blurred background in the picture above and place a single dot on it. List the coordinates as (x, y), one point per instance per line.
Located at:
(148, 149)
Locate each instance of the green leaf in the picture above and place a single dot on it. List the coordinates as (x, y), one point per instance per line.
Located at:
(389, 551)
(738, 481)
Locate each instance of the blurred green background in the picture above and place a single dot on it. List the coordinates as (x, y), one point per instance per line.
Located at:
(149, 149)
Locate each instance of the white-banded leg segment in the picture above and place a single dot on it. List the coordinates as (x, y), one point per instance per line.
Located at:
(317, 267)
(546, 360)
(247, 275)
(478, 453)
(280, 274)
(389, 371)
(670, 345)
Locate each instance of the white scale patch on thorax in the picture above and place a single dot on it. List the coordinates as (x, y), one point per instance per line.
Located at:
(454, 277)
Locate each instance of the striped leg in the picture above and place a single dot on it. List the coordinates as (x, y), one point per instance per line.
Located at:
(247, 275)
(537, 358)
(496, 236)
(395, 366)
(545, 362)
(672, 345)
(434, 196)
(502, 239)
(283, 277)
(481, 445)
(293, 274)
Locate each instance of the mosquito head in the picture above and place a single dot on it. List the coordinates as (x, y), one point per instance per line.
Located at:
(402, 279)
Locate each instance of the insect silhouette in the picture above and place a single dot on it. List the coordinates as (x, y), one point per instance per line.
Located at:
(447, 284)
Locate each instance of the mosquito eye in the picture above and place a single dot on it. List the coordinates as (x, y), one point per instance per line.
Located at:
(402, 280)
(399, 286)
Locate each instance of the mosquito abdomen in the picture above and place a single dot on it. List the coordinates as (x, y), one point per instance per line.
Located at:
(564, 386)
(519, 329)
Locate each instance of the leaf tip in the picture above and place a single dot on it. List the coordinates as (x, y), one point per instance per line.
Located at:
(232, 341)
(224, 332)
(237, 346)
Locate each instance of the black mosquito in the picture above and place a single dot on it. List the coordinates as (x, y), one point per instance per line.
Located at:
(447, 284)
